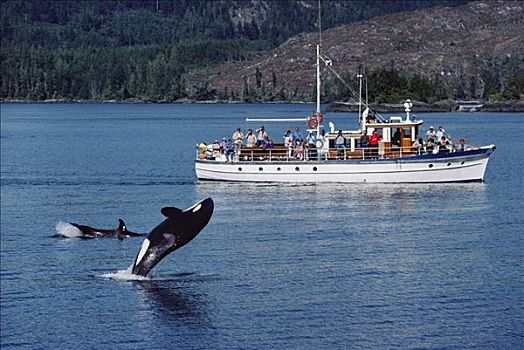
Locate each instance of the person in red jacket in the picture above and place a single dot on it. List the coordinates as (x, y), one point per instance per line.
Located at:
(373, 143)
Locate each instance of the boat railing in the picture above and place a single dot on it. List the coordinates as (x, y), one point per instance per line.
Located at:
(282, 154)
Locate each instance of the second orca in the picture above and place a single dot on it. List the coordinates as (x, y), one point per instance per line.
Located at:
(120, 232)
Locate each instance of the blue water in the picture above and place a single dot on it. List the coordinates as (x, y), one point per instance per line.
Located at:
(278, 267)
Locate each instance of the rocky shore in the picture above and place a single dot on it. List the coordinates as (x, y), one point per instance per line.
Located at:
(420, 107)
(440, 106)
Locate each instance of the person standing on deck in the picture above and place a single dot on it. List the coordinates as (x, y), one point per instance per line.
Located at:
(325, 144)
(440, 133)
(230, 152)
(396, 138)
(223, 145)
(340, 144)
(311, 146)
(462, 145)
(418, 144)
(430, 134)
(251, 139)
(297, 135)
(373, 143)
(237, 139)
(299, 151)
(261, 136)
(288, 140)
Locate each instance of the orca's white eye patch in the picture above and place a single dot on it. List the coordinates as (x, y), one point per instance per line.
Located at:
(197, 208)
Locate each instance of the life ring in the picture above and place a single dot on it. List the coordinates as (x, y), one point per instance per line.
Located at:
(312, 122)
(319, 144)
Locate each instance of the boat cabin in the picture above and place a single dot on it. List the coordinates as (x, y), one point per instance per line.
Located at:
(396, 138)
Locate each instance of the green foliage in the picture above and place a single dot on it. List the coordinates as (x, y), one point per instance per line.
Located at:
(142, 72)
(142, 49)
(385, 86)
(515, 88)
(503, 80)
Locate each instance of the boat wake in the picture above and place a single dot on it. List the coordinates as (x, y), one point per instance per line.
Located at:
(67, 230)
(124, 275)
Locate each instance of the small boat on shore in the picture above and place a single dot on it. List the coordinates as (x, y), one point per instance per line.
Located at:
(469, 106)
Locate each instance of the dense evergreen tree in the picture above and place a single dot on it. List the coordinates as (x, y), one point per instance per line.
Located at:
(142, 49)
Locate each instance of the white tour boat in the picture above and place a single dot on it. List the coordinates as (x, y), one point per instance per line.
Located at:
(395, 158)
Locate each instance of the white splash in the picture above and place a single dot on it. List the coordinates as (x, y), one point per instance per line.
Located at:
(124, 275)
(65, 229)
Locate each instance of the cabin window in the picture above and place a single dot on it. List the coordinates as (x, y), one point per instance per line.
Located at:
(314, 168)
(239, 169)
(260, 169)
(278, 169)
(431, 165)
(297, 169)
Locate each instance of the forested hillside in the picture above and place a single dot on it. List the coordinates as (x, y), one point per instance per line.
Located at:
(474, 51)
(144, 49)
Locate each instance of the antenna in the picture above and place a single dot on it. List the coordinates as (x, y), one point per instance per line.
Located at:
(319, 23)
(359, 76)
(318, 59)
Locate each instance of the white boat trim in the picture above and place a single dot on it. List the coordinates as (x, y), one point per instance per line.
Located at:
(464, 168)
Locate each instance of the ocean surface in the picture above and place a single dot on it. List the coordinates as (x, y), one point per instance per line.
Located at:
(318, 266)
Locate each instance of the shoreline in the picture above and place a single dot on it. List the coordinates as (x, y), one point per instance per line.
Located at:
(441, 106)
(334, 107)
(182, 101)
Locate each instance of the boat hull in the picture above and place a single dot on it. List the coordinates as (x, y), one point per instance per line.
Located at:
(467, 166)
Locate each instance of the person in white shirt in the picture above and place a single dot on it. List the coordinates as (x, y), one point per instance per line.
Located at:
(251, 139)
(237, 139)
(440, 133)
(262, 135)
(430, 134)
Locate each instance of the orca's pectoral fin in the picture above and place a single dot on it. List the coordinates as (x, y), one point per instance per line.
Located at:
(170, 212)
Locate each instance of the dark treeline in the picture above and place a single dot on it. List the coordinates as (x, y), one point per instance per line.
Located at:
(142, 49)
(385, 85)
(499, 81)
(149, 73)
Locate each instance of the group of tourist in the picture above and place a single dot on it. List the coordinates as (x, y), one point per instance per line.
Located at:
(437, 141)
(231, 147)
(297, 146)
(312, 147)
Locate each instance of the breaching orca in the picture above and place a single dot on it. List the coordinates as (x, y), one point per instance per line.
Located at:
(177, 230)
(120, 232)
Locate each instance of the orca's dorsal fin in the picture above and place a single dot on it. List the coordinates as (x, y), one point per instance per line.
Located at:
(170, 212)
(122, 225)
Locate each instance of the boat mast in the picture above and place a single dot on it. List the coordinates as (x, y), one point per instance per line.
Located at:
(318, 80)
(318, 58)
(359, 76)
